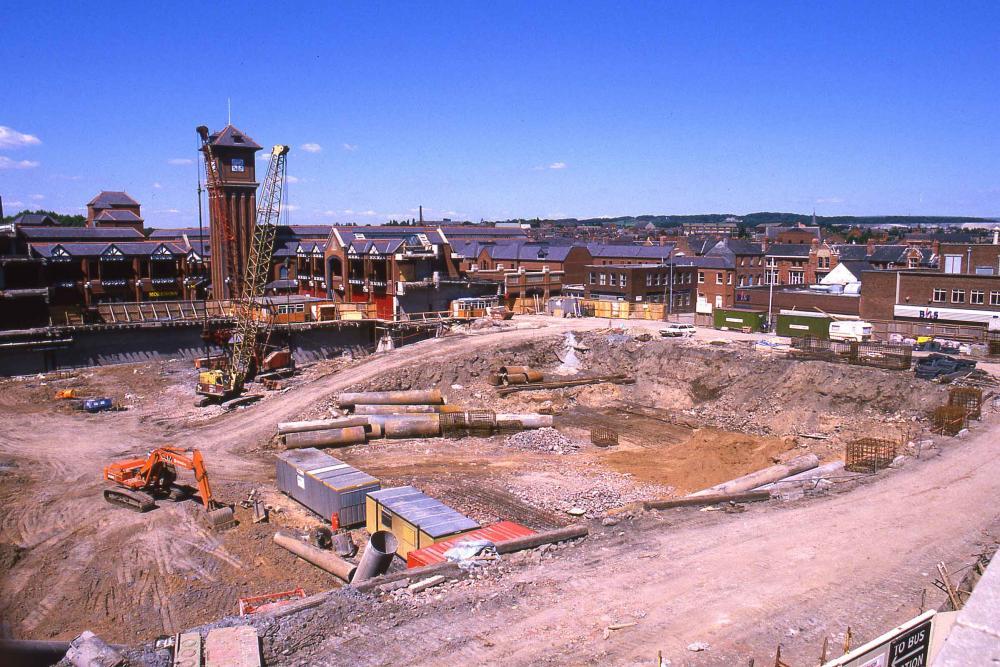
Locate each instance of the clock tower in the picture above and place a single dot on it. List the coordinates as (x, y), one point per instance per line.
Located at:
(234, 154)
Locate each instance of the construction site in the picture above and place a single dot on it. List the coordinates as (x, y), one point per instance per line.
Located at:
(480, 487)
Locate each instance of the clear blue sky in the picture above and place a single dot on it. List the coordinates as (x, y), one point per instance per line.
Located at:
(506, 109)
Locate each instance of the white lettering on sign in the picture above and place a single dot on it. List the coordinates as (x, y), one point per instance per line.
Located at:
(734, 319)
(800, 327)
(301, 481)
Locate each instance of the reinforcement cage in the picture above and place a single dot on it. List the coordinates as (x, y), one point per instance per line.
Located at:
(868, 353)
(949, 419)
(603, 436)
(968, 398)
(869, 454)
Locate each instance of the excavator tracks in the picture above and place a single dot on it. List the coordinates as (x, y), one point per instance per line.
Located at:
(137, 501)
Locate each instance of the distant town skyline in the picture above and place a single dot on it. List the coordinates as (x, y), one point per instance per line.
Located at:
(513, 111)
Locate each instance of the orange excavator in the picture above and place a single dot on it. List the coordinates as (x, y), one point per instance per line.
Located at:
(141, 481)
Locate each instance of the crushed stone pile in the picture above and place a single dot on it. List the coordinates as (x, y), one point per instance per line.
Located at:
(542, 440)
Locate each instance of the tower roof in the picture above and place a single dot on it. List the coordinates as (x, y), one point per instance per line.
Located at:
(234, 137)
(109, 198)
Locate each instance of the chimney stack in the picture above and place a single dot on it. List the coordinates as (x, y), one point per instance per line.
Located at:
(421, 215)
(996, 230)
(871, 246)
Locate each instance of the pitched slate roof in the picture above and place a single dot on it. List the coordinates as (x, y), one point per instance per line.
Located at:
(109, 198)
(129, 249)
(482, 231)
(81, 234)
(467, 247)
(610, 251)
(526, 251)
(700, 245)
(742, 247)
(772, 231)
(348, 234)
(176, 233)
(117, 216)
(711, 262)
(787, 250)
(851, 251)
(234, 137)
(856, 267)
(35, 219)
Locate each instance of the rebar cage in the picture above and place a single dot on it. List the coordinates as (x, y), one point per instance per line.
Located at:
(949, 419)
(869, 454)
(968, 398)
(868, 353)
(603, 436)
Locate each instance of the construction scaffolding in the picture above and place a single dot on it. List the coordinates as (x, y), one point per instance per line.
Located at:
(869, 454)
(969, 399)
(949, 419)
(868, 353)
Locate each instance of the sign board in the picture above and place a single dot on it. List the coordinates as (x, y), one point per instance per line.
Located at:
(905, 646)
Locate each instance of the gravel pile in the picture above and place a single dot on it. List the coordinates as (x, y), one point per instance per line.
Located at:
(542, 440)
(594, 494)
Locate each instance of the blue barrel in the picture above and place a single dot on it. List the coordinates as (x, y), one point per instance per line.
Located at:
(97, 404)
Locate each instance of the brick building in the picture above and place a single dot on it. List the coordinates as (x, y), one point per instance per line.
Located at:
(930, 296)
(535, 256)
(644, 283)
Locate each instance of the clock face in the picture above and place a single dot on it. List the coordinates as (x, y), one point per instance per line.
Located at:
(237, 164)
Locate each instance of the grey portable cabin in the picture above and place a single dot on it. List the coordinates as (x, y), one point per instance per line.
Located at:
(329, 487)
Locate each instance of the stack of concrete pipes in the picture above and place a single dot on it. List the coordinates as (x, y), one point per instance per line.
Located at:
(508, 375)
(396, 414)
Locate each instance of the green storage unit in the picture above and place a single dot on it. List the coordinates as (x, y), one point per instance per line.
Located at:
(803, 325)
(728, 318)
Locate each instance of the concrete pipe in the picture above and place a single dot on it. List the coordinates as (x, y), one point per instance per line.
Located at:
(411, 426)
(394, 409)
(324, 560)
(526, 420)
(764, 476)
(411, 397)
(494, 379)
(285, 428)
(377, 557)
(534, 376)
(330, 437)
(514, 370)
(374, 430)
(538, 539)
(515, 378)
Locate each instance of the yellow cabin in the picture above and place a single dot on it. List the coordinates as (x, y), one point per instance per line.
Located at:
(416, 519)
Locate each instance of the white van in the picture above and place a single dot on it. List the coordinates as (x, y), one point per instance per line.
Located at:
(851, 330)
(675, 329)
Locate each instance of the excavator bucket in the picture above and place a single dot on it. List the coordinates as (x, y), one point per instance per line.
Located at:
(222, 518)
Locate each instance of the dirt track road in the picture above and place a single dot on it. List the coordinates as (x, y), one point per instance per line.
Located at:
(742, 583)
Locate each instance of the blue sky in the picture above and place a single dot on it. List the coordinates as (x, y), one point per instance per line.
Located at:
(499, 110)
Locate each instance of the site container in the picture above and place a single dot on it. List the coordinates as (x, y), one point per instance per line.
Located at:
(802, 325)
(496, 532)
(417, 520)
(328, 486)
(725, 318)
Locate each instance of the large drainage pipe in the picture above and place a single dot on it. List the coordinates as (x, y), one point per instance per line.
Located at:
(765, 476)
(330, 437)
(408, 426)
(538, 539)
(377, 557)
(410, 397)
(804, 478)
(395, 409)
(324, 560)
(319, 424)
(525, 420)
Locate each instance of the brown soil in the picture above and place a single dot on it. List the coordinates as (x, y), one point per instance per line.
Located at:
(706, 458)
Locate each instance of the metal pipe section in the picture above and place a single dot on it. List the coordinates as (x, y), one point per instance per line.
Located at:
(377, 557)
(395, 409)
(515, 378)
(514, 370)
(833, 468)
(408, 426)
(538, 539)
(330, 437)
(285, 428)
(764, 476)
(409, 397)
(324, 560)
(526, 420)
(31, 653)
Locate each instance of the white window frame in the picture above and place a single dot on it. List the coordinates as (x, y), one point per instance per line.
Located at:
(977, 297)
(952, 263)
(939, 295)
(957, 295)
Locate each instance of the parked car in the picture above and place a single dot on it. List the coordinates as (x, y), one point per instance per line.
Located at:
(676, 329)
(936, 365)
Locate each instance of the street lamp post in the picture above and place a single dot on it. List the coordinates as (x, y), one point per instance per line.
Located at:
(770, 292)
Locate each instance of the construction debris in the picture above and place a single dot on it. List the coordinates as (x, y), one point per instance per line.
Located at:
(708, 499)
(545, 439)
(424, 584)
(560, 384)
(89, 650)
(269, 601)
(765, 476)
(377, 556)
(324, 560)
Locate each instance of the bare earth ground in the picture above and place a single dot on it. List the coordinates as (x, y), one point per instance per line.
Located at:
(790, 573)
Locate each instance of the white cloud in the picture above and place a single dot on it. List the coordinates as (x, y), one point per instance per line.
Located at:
(291, 179)
(38, 197)
(292, 207)
(829, 200)
(350, 147)
(311, 148)
(157, 185)
(347, 211)
(7, 163)
(12, 204)
(330, 213)
(557, 165)
(172, 211)
(11, 138)
(368, 213)
(180, 161)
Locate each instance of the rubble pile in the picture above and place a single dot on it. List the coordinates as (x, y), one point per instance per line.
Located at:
(545, 439)
(566, 492)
